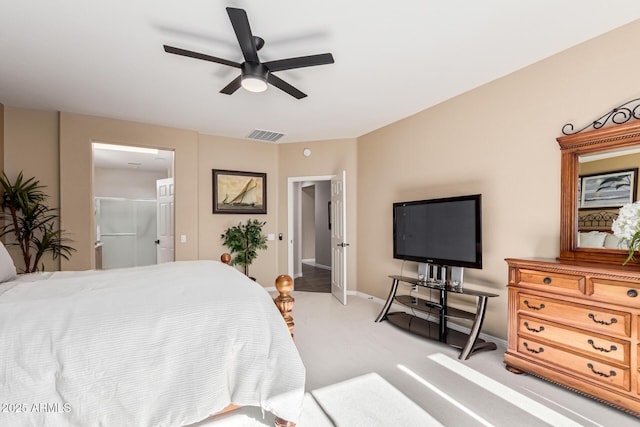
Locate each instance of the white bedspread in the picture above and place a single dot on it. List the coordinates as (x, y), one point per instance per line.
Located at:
(164, 345)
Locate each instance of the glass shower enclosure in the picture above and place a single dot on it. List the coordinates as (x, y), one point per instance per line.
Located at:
(126, 229)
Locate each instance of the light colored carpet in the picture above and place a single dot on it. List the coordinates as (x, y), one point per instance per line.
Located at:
(342, 345)
(364, 401)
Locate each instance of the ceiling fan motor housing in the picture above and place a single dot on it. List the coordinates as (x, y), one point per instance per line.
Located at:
(254, 76)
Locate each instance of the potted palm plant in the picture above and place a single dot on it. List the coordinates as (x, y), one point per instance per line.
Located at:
(30, 223)
(244, 241)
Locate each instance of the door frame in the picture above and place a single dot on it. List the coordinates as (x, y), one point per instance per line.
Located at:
(92, 221)
(291, 207)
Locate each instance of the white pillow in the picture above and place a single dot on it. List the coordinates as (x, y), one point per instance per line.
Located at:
(7, 268)
(613, 242)
(592, 239)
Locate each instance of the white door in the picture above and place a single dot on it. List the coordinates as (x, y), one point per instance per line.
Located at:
(164, 211)
(338, 238)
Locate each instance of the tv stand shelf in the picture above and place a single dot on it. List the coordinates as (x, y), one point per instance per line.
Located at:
(468, 343)
(430, 307)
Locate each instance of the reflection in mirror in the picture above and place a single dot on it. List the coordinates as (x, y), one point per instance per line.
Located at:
(606, 181)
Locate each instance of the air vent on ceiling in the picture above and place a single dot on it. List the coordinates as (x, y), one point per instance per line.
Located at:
(265, 135)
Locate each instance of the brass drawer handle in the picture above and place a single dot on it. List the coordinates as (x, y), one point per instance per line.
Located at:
(632, 293)
(533, 350)
(533, 307)
(602, 374)
(603, 322)
(526, 325)
(612, 348)
(547, 280)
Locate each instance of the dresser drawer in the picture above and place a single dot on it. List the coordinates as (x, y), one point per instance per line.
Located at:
(591, 344)
(593, 369)
(551, 281)
(625, 293)
(596, 319)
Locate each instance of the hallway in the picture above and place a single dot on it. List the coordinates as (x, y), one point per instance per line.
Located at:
(313, 279)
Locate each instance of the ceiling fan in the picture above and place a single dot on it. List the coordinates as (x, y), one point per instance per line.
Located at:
(254, 75)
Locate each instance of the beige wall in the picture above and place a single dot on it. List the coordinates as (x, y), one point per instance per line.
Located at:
(77, 132)
(241, 155)
(327, 158)
(2, 136)
(498, 140)
(31, 146)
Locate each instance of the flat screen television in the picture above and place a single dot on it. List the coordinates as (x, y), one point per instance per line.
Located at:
(445, 231)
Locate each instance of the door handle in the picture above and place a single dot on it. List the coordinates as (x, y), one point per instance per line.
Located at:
(157, 242)
(342, 245)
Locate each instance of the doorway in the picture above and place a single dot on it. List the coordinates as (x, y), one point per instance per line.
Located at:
(126, 210)
(314, 237)
(309, 233)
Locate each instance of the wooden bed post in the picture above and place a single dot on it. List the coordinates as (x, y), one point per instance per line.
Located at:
(284, 301)
(283, 423)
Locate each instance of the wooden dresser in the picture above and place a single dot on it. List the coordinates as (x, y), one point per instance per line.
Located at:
(578, 326)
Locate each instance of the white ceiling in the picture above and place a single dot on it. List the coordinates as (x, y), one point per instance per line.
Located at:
(392, 59)
(160, 161)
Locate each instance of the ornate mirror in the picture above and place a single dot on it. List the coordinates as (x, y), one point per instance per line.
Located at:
(599, 174)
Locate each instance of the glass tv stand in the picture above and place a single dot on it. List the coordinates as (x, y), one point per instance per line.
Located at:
(468, 343)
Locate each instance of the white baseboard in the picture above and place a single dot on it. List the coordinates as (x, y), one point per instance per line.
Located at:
(460, 328)
(312, 261)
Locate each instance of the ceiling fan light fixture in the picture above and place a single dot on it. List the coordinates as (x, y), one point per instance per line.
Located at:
(254, 77)
(254, 84)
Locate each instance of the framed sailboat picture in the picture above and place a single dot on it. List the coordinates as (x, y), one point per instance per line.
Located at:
(236, 192)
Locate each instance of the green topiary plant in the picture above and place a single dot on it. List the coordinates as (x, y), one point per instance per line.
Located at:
(244, 241)
(30, 222)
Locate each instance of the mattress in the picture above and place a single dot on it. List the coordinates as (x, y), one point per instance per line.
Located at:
(163, 345)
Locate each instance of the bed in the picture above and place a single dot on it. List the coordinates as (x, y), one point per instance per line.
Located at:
(594, 230)
(164, 345)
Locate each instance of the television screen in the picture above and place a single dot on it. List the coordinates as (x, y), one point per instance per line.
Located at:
(444, 231)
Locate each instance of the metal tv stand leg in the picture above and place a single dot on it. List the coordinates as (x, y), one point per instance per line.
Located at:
(471, 346)
(387, 305)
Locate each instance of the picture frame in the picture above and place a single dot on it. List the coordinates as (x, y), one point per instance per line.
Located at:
(610, 189)
(238, 192)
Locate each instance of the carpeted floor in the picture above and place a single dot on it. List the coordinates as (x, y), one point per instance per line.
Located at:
(341, 344)
(365, 401)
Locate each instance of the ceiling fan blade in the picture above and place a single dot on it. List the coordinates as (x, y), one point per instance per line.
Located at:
(196, 55)
(233, 86)
(285, 87)
(240, 24)
(299, 62)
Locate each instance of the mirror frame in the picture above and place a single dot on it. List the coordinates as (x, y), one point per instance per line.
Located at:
(571, 146)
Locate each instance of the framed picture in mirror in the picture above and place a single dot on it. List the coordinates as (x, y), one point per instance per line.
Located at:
(611, 189)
